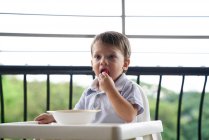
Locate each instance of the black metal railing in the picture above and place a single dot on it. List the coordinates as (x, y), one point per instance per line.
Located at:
(87, 70)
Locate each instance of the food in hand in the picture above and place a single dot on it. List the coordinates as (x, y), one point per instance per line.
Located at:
(106, 71)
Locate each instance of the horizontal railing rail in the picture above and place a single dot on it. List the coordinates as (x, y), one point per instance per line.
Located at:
(87, 70)
(12, 69)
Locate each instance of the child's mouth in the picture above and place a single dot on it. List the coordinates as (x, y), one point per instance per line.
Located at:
(106, 71)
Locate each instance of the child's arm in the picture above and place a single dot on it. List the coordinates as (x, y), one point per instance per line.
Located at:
(122, 107)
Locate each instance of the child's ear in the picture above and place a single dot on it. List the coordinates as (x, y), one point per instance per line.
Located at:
(126, 64)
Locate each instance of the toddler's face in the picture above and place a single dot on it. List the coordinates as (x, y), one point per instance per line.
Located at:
(106, 57)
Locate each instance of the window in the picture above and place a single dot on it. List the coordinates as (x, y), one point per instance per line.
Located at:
(58, 32)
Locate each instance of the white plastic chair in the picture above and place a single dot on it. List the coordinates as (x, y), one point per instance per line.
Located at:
(145, 117)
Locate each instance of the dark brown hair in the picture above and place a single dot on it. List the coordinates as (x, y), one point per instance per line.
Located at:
(114, 38)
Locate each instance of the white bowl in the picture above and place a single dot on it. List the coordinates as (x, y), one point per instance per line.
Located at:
(74, 117)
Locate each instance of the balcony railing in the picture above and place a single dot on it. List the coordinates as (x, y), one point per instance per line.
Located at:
(86, 70)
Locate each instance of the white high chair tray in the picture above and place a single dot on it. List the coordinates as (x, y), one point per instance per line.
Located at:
(79, 132)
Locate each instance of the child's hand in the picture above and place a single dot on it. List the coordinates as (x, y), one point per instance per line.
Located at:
(45, 118)
(105, 82)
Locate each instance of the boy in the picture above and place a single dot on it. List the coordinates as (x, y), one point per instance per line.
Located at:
(118, 98)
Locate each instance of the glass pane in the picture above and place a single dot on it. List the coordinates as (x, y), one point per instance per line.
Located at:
(62, 7)
(170, 52)
(45, 51)
(167, 25)
(38, 44)
(58, 24)
(46, 58)
(76, 51)
(167, 8)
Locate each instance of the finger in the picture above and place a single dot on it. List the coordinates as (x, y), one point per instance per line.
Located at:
(40, 117)
(104, 74)
(100, 76)
(46, 121)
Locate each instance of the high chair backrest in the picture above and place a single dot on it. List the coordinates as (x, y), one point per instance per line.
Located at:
(145, 116)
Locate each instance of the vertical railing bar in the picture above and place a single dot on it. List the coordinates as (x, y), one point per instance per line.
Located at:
(48, 92)
(138, 79)
(25, 97)
(71, 91)
(179, 108)
(201, 109)
(123, 17)
(2, 100)
(158, 98)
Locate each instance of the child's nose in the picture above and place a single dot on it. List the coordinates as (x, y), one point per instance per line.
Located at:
(103, 61)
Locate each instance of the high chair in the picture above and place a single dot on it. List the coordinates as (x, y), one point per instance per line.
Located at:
(145, 117)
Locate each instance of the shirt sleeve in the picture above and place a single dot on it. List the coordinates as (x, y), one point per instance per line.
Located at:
(132, 94)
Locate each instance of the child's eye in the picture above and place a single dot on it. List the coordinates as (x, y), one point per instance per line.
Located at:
(112, 57)
(97, 57)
